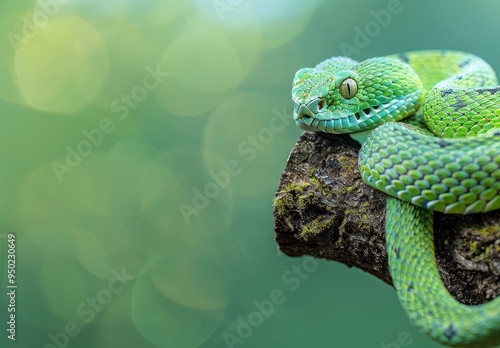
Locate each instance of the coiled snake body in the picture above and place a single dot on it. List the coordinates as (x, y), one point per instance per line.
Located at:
(444, 156)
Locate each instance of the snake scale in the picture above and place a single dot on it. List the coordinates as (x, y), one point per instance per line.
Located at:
(443, 156)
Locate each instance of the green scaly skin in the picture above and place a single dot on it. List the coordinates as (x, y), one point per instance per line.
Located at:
(444, 156)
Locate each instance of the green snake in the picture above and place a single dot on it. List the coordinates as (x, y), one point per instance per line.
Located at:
(443, 156)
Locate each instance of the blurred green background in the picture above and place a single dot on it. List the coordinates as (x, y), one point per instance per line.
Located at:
(141, 144)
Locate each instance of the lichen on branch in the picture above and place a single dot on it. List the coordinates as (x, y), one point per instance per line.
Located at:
(324, 209)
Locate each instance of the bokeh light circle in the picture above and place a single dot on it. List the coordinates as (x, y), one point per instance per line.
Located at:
(250, 129)
(61, 68)
(155, 13)
(180, 99)
(204, 61)
(192, 213)
(192, 274)
(167, 323)
(280, 20)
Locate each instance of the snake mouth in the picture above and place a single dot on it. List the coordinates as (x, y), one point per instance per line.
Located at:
(333, 122)
(342, 122)
(305, 118)
(307, 123)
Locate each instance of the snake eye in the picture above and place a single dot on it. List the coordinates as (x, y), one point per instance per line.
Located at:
(348, 88)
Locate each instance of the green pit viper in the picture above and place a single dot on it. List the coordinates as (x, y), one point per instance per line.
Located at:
(444, 156)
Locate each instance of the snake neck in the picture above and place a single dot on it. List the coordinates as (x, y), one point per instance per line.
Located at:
(416, 120)
(360, 137)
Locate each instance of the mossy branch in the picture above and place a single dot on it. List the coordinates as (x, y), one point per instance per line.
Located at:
(322, 208)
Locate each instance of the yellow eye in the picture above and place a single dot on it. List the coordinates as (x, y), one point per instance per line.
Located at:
(348, 88)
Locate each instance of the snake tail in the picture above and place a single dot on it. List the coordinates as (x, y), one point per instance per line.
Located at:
(420, 289)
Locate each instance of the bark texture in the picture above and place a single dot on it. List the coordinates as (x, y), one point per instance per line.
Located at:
(323, 208)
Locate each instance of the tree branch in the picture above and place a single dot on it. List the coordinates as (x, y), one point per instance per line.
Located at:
(323, 208)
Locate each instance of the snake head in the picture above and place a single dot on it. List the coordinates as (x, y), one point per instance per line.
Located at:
(348, 97)
(309, 94)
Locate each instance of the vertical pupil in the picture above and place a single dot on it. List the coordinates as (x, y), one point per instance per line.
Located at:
(348, 88)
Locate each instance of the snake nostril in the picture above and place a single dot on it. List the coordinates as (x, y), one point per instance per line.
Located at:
(303, 112)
